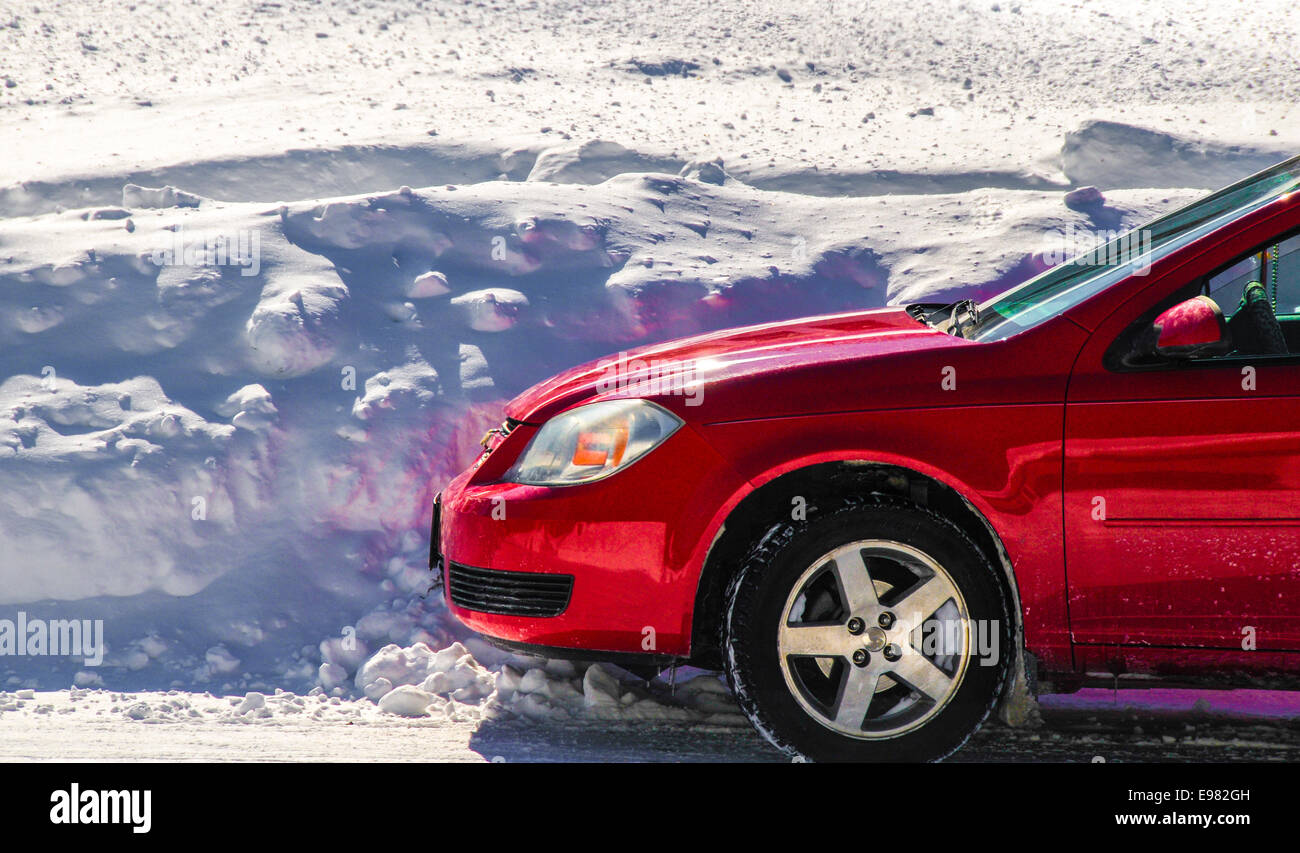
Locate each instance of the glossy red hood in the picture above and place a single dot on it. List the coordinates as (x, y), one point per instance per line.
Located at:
(685, 375)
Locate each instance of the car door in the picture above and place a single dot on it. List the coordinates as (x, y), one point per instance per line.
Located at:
(1182, 481)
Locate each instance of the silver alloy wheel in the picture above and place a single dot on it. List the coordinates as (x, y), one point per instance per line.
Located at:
(874, 640)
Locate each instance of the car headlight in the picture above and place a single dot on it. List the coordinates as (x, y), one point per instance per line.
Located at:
(591, 442)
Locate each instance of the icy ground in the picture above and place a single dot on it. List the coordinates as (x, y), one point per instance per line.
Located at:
(1094, 725)
(269, 269)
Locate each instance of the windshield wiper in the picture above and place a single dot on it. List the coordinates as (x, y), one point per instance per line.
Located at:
(960, 319)
(956, 318)
(964, 319)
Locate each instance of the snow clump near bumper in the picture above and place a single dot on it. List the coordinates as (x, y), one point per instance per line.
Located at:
(418, 681)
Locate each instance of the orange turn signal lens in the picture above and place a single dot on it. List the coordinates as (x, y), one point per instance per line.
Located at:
(604, 446)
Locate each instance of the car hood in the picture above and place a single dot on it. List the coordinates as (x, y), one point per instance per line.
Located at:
(697, 376)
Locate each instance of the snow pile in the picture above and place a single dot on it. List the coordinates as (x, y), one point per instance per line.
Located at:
(244, 338)
(1121, 155)
(223, 423)
(174, 706)
(417, 681)
(550, 692)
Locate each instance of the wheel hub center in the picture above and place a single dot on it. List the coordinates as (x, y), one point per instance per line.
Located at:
(875, 638)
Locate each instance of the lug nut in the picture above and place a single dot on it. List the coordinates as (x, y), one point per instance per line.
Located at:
(861, 658)
(856, 626)
(886, 619)
(893, 652)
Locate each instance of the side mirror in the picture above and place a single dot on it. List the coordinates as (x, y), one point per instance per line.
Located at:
(1190, 329)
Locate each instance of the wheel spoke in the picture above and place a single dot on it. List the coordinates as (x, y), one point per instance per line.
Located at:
(816, 640)
(855, 697)
(920, 604)
(921, 675)
(854, 580)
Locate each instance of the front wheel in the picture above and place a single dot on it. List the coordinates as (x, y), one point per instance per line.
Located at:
(877, 631)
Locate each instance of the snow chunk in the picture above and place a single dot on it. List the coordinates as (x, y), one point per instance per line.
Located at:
(427, 285)
(345, 652)
(86, 678)
(1084, 197)
(249, 408)
(533, 680)
(600, 687)
(251, 702)
(594, 161)
(398, 665)
(331, 675)
(407, 701)
(135, 197)
(378, 689)
(295, 327)
(404, 387)
(705, 171)
(494, 309)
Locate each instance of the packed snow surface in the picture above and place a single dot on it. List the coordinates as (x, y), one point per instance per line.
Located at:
(269, 270)
(174, 725)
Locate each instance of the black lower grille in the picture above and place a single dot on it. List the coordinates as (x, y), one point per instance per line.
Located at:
(509, 593)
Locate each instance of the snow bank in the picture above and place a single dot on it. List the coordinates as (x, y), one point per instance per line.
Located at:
(244, 340)
(1118, 155)
(222, 424)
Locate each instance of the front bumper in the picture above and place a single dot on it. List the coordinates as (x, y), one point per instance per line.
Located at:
(633, 543)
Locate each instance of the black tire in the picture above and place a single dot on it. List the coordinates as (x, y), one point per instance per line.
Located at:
(756, 602)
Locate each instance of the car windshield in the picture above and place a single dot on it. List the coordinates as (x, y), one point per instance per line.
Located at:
(1066, 285)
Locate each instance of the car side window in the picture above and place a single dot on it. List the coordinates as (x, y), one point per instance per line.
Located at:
(1259, 295)
(1276, 267)
(1229, 286)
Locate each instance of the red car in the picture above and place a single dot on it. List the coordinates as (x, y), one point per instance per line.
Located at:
(878, 522)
